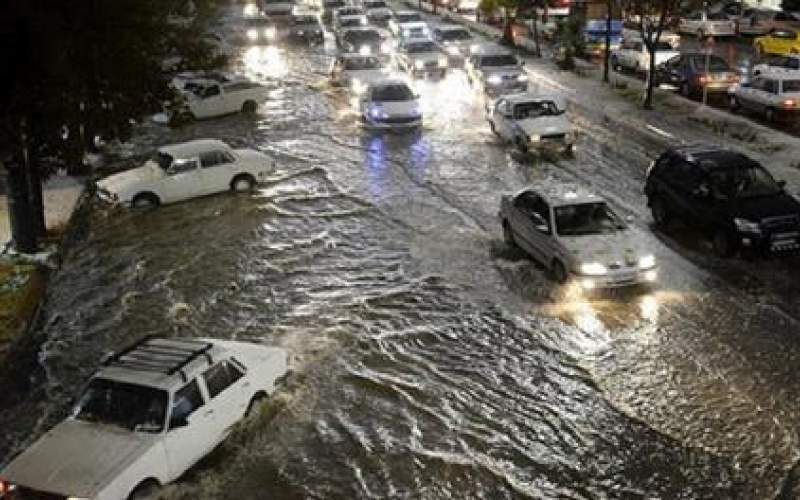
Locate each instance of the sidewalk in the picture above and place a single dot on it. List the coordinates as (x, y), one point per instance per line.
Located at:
(675, 119)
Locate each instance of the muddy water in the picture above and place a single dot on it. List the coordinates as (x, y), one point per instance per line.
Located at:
(430, 361)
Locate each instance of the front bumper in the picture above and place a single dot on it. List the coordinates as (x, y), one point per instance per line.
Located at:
(618, 278)
(778, 243)
(395, 122)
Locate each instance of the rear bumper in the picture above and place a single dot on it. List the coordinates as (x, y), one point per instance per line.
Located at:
(786, 243)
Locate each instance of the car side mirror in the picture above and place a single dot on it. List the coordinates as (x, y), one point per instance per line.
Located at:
(177, 422)
(543, 228)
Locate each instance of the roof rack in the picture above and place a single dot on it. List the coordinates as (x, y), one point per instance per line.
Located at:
(169, 356)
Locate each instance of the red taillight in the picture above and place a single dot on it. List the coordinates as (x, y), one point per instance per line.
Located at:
(703, 79)
(789, 103)
(5, 488)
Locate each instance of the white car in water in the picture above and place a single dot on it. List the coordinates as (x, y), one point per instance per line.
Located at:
(188, 170)
(455, 41)
(575, 234)
(390, 104)
(703, 24)
(148, 415)
(420, 58)
(357, 72)
(212, 98)
(532, 122)
(496, 72)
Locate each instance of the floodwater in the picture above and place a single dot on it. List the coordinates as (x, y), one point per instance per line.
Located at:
(429, 360)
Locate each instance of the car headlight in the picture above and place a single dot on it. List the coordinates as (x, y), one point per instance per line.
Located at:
(647, 261)
(474, 47)
(386, 47)
(593, 268)
(6, 487)
(363, 20)
(376, 112)
(442, 62)
(494, 80)
(419, 64)
(365, 50)
(747, 226)
(358, 86)
(252, 34)
(534, 138)
(453, 50)
(271, 33)
(522, 78)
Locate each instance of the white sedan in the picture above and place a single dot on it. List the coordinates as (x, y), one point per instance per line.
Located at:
(531, 122)
(356, 71)
(182, 171)
(390, 104)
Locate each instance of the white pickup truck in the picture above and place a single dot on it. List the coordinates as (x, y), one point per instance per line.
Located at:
(148, 415)
(212, 98)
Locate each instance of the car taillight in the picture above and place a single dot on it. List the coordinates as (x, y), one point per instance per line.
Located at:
(702, 79)
(5, 488)
(789, 103)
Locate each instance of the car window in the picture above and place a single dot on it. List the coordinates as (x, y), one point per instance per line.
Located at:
(183, 165)
(220, 376)
(187, 399)
(791, 86)
(392, 93)
(684, 176)
(783, 34)
(587, 218)
(531, 204)
(793, 63)
(535, 109)
(212, 158)
(211, 91)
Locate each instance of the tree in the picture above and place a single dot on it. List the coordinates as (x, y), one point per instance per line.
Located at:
(607, 52)
(81, 70)
(652, 17)
(791, 5)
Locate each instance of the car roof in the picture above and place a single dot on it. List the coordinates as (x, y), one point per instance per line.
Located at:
(709, 157)
(162, 363)
(492, 50)
(559, 194)
(191, 148)
(529, 97)
(387, 82)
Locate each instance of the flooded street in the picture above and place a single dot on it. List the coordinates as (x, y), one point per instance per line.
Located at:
(429, 359)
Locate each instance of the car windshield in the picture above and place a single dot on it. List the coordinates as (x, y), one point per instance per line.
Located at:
(587, 218)
(362, 36)
(791, 86)
(361, 63)
(408, 17)
(350, 21)
(304, 20)
(535, 109)
(130, 406)
(745, 182)
(458, 34)
(390, 93)
(714, 63)
(350, 11)
(420, 47)
(376, 5)
(499, 60)
(163, 159)
(258, 22)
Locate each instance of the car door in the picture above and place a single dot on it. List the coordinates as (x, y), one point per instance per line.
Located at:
(191, 431)
(526, 224)
(502, 122)
(215, 171)
(210, 102)
(182, 181)
(229, 393)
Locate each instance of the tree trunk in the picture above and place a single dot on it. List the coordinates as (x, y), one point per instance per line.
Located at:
(607, 53)
(651, 69)
(508, 30)
(535, 27)
(36, 196)
(435, 4)
(19, 208)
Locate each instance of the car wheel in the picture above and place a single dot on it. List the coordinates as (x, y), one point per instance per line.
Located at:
(769, 115)
(521, 145)
(243, 183)
(558, 272)
(734, 104)
(144, 201)
(255, 402)
(249, 107)
(146, 489)
(660, 212)
(723, 244)
(508, 235)
(183, 118)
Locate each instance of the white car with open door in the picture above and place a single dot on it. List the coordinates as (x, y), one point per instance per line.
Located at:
(532, 122)
(149, 414)
(575, 234)
(188, 170)
(356, 72)
(390, 104)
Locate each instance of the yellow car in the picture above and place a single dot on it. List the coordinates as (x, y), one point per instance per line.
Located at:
(780, 42)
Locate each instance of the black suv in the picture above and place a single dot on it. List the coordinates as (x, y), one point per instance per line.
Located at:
(727, 194)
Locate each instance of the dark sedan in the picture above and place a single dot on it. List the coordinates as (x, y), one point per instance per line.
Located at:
(691, 74)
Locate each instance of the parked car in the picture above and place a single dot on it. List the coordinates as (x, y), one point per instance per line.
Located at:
(390, 104)
(378, 13)
(690, 73)
(209, 99)
(362, 40)
(727, 195)
(454, 40)
(420, 58)
(192, 80)
(496, 72)
(779, 42)
(357, 72)
(531, 121)
(328, 7)
(704, 25)
(773, 94)
(778, 63)
(149, 414)
(403, 17)
(760, 22)
(188, 170)
(633, 55)
(575, 234)
(305, 28)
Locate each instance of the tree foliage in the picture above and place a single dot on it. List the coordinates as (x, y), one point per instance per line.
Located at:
(791, 5)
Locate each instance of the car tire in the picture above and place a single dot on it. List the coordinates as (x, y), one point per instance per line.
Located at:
(243, 183)
(558, 272)
(249, 107)
(257, 399)
(723, 244)
(143, 201)
(145, 489)
(661, 214)
(734, 105)
(184, 118)
(508, 235)
(521, 146)
(769, 115)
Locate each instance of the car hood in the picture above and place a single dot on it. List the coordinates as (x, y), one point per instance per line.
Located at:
(664, 55)
(123, 181)
(545, 125)
(618, 247)
(501, 70)
(756, 209)
(425, 56)
(77, 458)
(379, 12)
